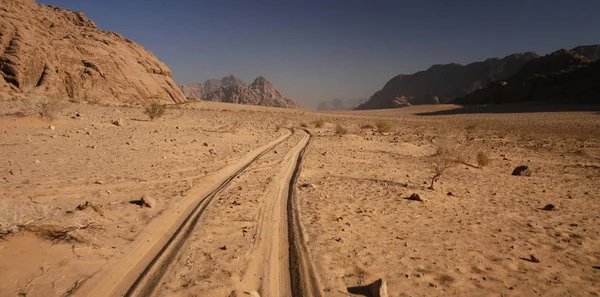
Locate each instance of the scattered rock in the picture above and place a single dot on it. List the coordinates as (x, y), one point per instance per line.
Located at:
(235, 203)
(212, 152)
(534, 259)
(549, 207)
(450, 194)
(522, 171)
(148, 201)
(224, 248)
(37, 161)
(378, 288)
(415, 197)
(205, 144)
(99, 182)
(51, 127)
(118, 122)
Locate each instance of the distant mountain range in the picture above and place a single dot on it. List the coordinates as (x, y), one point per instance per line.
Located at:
(232, 89)
(445, 83)
(340, 104)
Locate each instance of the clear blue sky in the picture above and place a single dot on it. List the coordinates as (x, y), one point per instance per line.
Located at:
(319, 50)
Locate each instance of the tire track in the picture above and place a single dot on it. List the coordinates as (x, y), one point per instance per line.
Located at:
(280, 264)
(303, 278)
(139, 272)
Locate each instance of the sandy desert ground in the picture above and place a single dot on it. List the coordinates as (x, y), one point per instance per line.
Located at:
(253, 199)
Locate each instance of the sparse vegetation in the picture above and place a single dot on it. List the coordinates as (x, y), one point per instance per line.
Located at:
(367, 126)
(441, 161)
(482, 159)
(319, 123)
(14, 217)
(45, 107)
(469, 129)
(155, 110)
(383, 126)
(340, 130)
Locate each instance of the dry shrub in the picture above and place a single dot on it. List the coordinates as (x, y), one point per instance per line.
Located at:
(442, 160)
(14, 216)
(340, 130)
(469, 129)
(155, 110)
(367, 126)
(482, 159)
(319, 123)
(82, 229)
(47, 108)
(383, 127)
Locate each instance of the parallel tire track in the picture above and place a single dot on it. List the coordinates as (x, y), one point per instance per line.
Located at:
(142, 276)
(280, 264)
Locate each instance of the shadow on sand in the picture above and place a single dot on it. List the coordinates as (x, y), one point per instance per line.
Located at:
(514, 108)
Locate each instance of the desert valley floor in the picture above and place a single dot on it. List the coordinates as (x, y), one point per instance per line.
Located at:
(74, 223)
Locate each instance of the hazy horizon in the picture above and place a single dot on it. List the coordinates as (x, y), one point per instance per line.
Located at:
(313, 51)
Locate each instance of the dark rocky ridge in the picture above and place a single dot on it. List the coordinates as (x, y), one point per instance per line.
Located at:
(563, 76)
(444, 83)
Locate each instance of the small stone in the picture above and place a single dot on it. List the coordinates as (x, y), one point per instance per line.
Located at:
(534, 259)
(223, 248)
(51, 127)
(99, 182)
(118, 122)
(37, 161)
(549, 207)
(212, 151)
(415, 197)
(522, 171)
(148, 201)
(450, 194)
(205, 144)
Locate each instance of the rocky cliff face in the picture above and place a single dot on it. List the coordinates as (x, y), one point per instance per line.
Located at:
(442, 83)
(563, 76)
(58, 53)
(233, 90)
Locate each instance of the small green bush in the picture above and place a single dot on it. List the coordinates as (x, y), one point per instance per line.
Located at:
(383, 127)
(482, 159)
(155, 111)
(319, 123)
(340, 130)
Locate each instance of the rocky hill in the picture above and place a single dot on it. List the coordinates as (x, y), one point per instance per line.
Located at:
(340, 104)
(58, 53)
(444, 83)
(198, 91)
(563, 76)
(233, 90)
